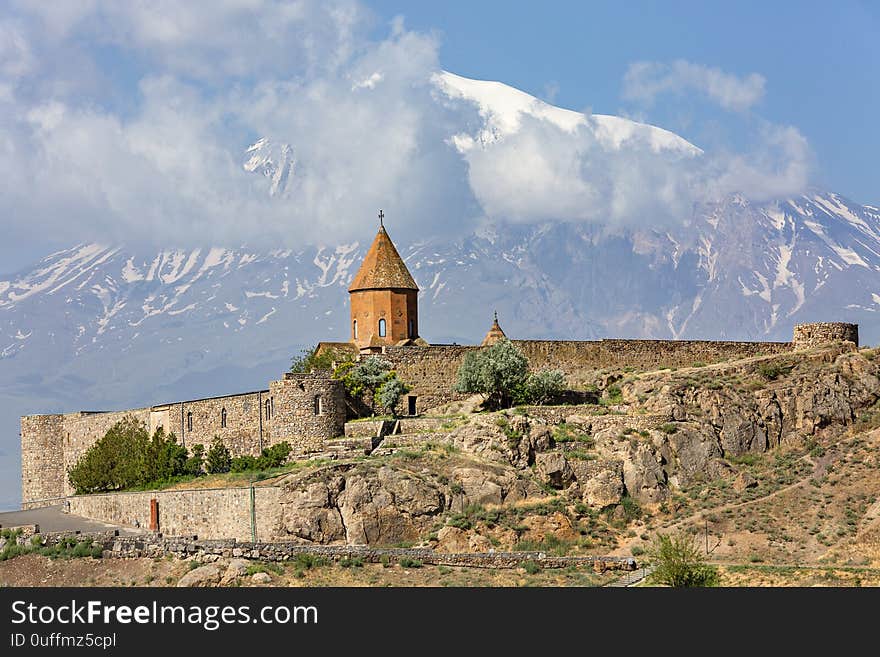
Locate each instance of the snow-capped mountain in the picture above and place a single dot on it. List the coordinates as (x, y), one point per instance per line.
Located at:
(115, 326)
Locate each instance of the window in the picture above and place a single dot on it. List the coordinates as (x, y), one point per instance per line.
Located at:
(268, 409)
(223, 418)
(189, 421)
(318, 408)
(381, 328)
(412, 332)
(354, 329)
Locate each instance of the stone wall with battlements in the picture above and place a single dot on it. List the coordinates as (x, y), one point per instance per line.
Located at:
(818, 333)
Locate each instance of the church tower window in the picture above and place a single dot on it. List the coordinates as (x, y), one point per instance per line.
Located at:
(223, 418)
(382, 328)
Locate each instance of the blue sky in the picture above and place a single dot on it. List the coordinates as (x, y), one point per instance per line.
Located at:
(821, 61)
(124, 122)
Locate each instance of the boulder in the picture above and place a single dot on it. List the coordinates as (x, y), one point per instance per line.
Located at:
(553, 469)
(236, 568)
(600, 483)
(261, 578)
(202, 576)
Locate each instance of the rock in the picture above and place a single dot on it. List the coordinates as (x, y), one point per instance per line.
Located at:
(553, 469)
(743, 481)
(261, 578)
(600, 483)
(312, 513)
(202, 576)
(236, 568)
(477, 485)
(453, 539)
(643, 475)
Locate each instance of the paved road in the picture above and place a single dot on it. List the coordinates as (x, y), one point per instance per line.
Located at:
(52, 519)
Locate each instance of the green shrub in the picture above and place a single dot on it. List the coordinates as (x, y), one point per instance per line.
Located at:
(773, 370)
(544, 386)
(194, 464)
(613, 395)
(678, 563)
(309, 360)
(532, 567)
(668, 427)
(406, 562)
(351, 562)
(219, 460)
(637, 550)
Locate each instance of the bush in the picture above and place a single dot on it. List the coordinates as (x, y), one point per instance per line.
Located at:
(193, 465)
(544, 386)
(668, 427)
(406, 562)
(772, 371)
(219, 460)
(243, 463)
(532, 567)
(126, 457)
(390, 392)
(678, 563)
(116, 461)
(614, 395)
(274, 456)
(499, 373)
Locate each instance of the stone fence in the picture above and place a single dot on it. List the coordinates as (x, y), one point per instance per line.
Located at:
(157, 546)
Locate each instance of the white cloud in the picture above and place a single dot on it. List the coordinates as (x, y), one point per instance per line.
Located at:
(156, 153)
(644, 81)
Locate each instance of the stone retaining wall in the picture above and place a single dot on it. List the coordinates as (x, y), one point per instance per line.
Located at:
(157, 546)
(208, 513)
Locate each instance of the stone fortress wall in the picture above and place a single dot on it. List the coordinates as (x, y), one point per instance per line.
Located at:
(812, 335)
(302, 409)
(307, 409)
(431, 371)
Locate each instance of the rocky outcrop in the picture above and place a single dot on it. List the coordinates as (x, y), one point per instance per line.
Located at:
(391, 502)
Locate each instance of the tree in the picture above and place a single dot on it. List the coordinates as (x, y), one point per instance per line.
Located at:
(193, 464)
(310, 359)
(219, 459)
(679, 563)
(390, 392)
(165, 458)
(366, 377)
(499, 373)
(125, 456)
(116, 461)
(544, 386)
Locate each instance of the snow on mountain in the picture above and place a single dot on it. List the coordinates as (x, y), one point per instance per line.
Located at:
(503, 107)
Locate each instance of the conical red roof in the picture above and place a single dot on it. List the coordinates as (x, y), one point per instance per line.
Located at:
(382, 268)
